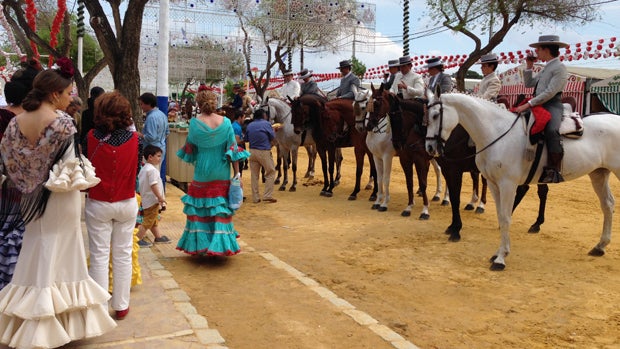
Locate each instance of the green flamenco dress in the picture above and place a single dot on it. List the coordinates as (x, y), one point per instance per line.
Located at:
(209, 229)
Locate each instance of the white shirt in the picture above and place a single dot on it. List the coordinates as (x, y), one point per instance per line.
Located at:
(291, 89)
(489, 86)
(148, 176)
(414, 82)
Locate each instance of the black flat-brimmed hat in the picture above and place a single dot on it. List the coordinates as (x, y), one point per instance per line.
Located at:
(304, 74)
(488, 58)
(433, 62)
(404, 60)
(344, 64)
(549, 40)
(393, 63)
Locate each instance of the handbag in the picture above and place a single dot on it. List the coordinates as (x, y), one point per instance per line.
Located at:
(235, 194)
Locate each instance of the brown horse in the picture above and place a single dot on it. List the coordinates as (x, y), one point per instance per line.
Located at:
(332, 125)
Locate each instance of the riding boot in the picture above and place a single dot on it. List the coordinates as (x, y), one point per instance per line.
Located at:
(552, 173)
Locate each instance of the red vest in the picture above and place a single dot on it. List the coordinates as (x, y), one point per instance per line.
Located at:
(116, 166)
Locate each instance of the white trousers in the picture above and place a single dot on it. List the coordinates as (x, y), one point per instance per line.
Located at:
(110, 227)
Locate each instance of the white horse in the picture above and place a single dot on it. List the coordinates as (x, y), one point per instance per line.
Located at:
(289, 141)
(501, 144)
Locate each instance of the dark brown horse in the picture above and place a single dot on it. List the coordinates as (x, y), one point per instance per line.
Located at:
(332, 124)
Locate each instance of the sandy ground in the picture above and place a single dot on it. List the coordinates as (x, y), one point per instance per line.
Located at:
(404, 273)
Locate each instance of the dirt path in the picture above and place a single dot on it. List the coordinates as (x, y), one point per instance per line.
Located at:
(405, 274)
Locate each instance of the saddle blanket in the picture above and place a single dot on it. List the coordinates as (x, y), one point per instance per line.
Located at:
(572, 125)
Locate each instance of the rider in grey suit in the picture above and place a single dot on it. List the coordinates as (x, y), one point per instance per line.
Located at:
(438, 78)
(345, 91)
(548, 86)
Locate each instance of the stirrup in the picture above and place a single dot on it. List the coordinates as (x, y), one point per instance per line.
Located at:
(551, 175)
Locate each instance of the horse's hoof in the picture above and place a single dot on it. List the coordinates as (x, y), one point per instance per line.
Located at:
(323, 193)
(535, 228)
(372, 198)
(292, 189)
(368, 187)
(329, 194)
(375, 207)
(469, 207)
(596, 252)
(497, 267)
(454, 238)
(352, 197)
(480, 210)
(283, 188)
(445, 203)
(277, 181)
(424, 216)
(306, 176)
(336, 183)
(382, 209)
(436, 198)
(405, 213)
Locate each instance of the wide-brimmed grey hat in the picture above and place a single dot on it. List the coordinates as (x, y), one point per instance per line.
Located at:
(433, 62)
(404, 60)
(287, 72)
(393, 63)
(488, 58)
(344, 64)
(305, 73)
(549, 40)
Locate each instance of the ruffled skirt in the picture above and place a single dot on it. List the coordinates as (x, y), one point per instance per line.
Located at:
(51, 300)
(11, 235)
(209, 229)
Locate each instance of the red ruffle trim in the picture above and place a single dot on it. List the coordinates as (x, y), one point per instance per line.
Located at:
(208, 190)
(214, 219)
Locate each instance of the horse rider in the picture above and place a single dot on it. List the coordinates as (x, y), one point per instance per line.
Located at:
(290, 88)
(408, 83)
(393, 69)
(548, 86)
(348, 80)
(308, 86)
(246, 103)
(437, 77)
(490, 84)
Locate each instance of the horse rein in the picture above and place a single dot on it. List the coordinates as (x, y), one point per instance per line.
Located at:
(441, 142)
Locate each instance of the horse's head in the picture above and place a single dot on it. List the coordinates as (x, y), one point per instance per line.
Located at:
(378, 107)
(439, 122)
(301, 109)
(360, 106)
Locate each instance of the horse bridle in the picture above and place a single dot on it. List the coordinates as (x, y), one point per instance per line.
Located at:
(441, 142)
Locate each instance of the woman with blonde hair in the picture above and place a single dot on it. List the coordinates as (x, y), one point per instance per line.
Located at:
(51, 299)
(211, 148)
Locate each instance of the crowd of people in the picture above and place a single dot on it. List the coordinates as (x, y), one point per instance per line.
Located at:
(49, 145)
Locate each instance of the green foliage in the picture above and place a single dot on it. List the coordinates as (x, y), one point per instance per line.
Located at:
(473, 75)
(358, 68)
(228, 88)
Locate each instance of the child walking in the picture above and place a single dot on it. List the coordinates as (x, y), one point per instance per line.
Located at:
(152, 193)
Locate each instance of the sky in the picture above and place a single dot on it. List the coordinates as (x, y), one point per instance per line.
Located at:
(389, 26)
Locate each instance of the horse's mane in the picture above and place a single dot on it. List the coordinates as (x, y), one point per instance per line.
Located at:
(484, 103)
(282, 108)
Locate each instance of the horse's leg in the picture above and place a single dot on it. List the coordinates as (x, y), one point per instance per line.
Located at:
(437, 195)
(483, 196)
(279, 161)
(600, 183)
(372, 179)
(378, 204)
(407, 165)
(475, 179)
(504, 195)
(338, 158)
(422, 167)
(323, 157)
(386, 168)
(311, 150)
(543, 190)
(331, 156)
(359, 169)
(294, 154)
(454, 182)
(373, 175)
(285, 166)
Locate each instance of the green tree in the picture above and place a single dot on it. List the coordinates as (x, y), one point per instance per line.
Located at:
(497, 18)
(357, 67)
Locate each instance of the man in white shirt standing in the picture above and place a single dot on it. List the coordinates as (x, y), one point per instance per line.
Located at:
(290, 88)
(407, 84)
(490, 84)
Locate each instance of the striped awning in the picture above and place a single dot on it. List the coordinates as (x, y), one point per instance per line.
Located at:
(609, 95)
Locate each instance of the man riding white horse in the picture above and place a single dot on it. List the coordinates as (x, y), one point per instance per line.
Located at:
(548, 86)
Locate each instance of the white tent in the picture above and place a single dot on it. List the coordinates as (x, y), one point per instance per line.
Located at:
(608, 92)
